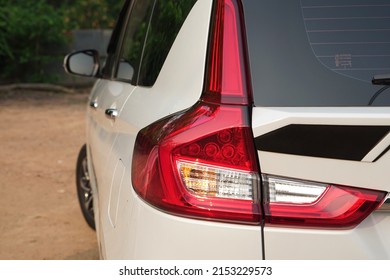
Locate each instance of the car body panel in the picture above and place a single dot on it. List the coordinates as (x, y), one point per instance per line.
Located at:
(367, 240)
(338, 171)
(149, 233)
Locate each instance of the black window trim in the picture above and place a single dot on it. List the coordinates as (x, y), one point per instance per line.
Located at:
(120, 43)
(116, 40)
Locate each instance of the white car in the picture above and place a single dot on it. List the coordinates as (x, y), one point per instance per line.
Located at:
(233, 129)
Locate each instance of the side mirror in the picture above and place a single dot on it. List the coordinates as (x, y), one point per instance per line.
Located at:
(82, 63)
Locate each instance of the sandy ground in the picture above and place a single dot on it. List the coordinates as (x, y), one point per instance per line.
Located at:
(40, 135)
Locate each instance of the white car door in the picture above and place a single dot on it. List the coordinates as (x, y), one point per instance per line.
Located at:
(106, 105)
(140, 94)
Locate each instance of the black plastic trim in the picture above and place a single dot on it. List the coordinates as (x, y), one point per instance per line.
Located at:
(344, 142)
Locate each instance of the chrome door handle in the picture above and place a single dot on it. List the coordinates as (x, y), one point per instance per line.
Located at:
(93, 104)
(111, 113)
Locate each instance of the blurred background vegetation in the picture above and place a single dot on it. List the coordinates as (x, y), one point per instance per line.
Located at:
(29, 28)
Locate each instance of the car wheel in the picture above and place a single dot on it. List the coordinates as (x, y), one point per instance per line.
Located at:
(84, 190)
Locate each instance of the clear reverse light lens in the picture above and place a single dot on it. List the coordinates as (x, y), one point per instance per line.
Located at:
(209, 181)
(292, 202)
(283, 190)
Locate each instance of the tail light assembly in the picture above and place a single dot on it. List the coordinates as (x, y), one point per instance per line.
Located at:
(201, 162)
(297, 203)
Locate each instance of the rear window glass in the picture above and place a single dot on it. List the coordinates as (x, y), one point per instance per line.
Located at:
(167, 20)
(318, 52)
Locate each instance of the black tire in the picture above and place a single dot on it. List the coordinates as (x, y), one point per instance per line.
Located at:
(84, 190)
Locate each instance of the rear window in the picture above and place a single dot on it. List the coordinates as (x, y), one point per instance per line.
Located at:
(168, 17)
(151, 31)
(318, 52)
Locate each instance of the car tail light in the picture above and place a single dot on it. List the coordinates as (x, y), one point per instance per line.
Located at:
(201, 162)
(227, 72)
(299, 203)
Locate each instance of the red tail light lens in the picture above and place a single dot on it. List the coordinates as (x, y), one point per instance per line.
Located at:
(200, 163)
(227, 79)
(308, 204)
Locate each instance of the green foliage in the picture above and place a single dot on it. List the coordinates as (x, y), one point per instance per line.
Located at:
(30, 28)
(85, 14)
(27, 28)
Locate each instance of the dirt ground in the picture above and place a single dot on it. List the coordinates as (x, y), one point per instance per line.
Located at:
(40, 135)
